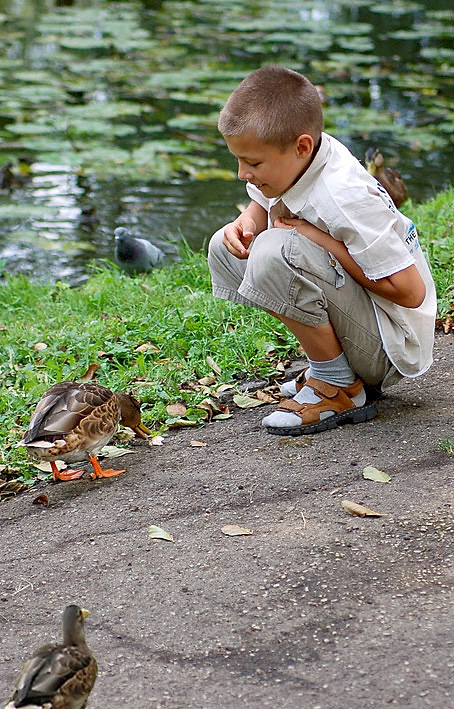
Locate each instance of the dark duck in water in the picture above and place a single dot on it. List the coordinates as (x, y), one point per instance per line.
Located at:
(389, 178)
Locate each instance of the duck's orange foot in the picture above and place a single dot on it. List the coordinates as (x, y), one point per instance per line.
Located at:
(70, 474)
(100, 473)
(65, 474)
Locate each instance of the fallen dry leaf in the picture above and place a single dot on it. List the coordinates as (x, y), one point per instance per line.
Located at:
(157, 533)
(378, 476)
(211, 406)
(212, 364)
(233, 530)
(207, 381)
(125, 435)
(359, 510)
(176, 409)
(246, 402)
(8, 488)
(263, 396)
(215, 405)
(41, 500)
(224, 387)
(47, 468)
(89, 374)
(147, 346)
(206, 405)
(113, 451)
(336, 490)
(106, 355)
(182, 423)
(447, 324)
(156, 441)
(195, 386)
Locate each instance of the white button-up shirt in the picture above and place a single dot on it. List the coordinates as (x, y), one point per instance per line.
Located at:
(339, 196)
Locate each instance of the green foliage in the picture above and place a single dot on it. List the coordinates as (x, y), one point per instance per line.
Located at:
(447, 445)
(107, 320)
(435, 223)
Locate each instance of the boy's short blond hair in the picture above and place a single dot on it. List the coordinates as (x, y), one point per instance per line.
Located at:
(276, 104)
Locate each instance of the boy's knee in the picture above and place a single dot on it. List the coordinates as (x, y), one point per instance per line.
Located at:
(215, 244)
(226, 270)
(266, 256)
(218, 256)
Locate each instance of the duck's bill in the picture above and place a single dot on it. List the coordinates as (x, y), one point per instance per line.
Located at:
(142, 431)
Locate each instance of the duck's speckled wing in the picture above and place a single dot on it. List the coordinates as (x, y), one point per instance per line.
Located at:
(62, 408)
(54, 670)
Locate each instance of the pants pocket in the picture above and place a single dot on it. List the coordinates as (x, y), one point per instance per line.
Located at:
(339, 278)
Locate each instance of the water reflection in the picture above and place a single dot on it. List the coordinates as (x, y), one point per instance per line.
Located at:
(378, 65)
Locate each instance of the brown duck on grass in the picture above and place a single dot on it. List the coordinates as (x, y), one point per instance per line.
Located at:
(58, 676)
(73, 421)
(389, 178)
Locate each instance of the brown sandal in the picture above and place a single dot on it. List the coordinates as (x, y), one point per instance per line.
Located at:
(332, 398)
(299, 381)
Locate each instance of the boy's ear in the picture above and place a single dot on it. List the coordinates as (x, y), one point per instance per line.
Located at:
(304, 145)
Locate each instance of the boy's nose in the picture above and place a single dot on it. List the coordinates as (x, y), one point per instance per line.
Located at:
(243, 172)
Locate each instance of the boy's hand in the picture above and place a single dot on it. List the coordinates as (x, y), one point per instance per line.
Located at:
(307, 229)
(238, 236)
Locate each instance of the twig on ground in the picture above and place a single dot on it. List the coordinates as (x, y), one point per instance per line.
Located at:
(22, 588)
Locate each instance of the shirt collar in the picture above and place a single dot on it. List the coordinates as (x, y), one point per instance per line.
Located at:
(293, 198)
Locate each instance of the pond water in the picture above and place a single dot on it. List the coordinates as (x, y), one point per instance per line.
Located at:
(108, 112)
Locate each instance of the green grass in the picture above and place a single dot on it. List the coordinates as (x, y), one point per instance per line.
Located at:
(447, 445)
(110, 316)
(435, 223)
(105, 321)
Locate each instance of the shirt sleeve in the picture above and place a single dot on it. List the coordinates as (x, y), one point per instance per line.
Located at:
(374, 234)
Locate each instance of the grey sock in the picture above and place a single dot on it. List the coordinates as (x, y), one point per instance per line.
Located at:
(335, 371)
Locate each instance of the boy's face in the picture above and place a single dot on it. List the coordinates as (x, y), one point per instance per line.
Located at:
(272, 171)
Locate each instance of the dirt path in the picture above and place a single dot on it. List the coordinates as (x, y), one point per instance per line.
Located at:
(315, 609)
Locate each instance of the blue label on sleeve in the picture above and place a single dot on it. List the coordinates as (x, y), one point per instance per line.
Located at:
(412, 239)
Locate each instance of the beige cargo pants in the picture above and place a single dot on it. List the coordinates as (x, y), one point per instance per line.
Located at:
(290, 275)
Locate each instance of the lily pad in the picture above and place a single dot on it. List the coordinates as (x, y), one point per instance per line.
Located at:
(93, 127)
(85, 43)
(24, 211)
(30, 128)
(353, 58)
(398, 7)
